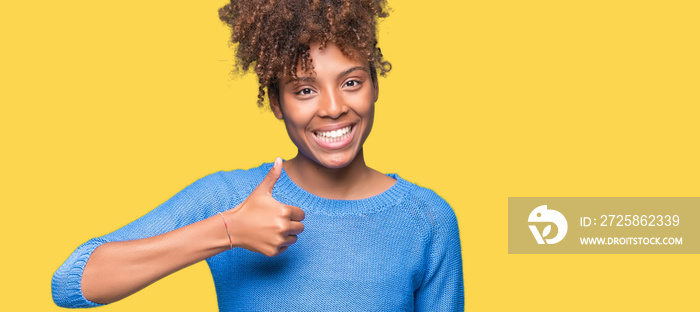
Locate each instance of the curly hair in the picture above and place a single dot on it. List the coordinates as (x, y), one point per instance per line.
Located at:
(275, 35)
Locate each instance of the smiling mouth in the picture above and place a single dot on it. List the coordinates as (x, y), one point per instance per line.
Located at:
(334, 135)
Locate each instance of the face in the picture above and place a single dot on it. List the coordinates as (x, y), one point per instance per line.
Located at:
(329, 113)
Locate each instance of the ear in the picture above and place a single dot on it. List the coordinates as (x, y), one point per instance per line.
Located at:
(375, 84)
(275, 105)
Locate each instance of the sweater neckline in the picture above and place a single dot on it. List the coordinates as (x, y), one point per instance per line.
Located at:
(293, 194)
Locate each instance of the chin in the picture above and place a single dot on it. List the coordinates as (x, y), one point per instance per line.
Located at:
(335, 162)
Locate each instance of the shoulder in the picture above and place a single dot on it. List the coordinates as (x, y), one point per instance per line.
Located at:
(240, 181)
(434, 210)
(426, 199)
(217, 191)
(224, 186)
(244, 176)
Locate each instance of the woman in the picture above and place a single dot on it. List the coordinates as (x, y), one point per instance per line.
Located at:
(370, 241)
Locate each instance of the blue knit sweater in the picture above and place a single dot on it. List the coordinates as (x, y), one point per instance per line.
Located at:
(396, 251)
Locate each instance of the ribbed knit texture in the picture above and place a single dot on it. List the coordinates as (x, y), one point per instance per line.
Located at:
(397, 251)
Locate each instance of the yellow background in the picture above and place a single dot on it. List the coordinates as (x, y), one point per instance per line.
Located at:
(111, 107)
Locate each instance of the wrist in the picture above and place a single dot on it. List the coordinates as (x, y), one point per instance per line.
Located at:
(227, 223)
(228, 233)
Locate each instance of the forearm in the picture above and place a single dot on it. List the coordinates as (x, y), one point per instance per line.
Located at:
(116, 270)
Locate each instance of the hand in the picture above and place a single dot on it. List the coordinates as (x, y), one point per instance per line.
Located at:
(261, 223)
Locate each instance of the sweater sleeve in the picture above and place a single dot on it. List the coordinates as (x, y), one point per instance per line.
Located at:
(200, 200)
(442, 288)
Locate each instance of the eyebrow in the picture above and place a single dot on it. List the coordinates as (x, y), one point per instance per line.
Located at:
(352, 69)
(345, 72)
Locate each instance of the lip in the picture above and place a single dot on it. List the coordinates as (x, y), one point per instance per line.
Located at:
(337, 144)
(334, 126)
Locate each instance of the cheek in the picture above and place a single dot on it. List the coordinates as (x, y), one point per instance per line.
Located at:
(362, 104)
(295, 129)
(367, 113)
(296, 121)
(370, 118)
(367, 109)
(297, 124)
(297, 115)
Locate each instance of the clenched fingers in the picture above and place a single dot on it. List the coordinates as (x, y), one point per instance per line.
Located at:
(295, 228)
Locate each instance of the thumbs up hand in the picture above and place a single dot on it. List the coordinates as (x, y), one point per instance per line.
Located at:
(261, 223)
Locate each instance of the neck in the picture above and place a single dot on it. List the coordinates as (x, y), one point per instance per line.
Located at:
(348, 182)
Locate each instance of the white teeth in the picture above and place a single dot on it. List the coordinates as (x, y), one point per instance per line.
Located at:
(334, 135)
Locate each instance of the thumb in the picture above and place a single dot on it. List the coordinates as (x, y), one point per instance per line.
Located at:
(271, 178)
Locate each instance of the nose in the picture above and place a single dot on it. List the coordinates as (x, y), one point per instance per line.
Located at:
(332, 105)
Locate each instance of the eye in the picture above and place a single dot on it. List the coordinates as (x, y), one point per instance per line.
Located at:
(352, 83)
(304, 91)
